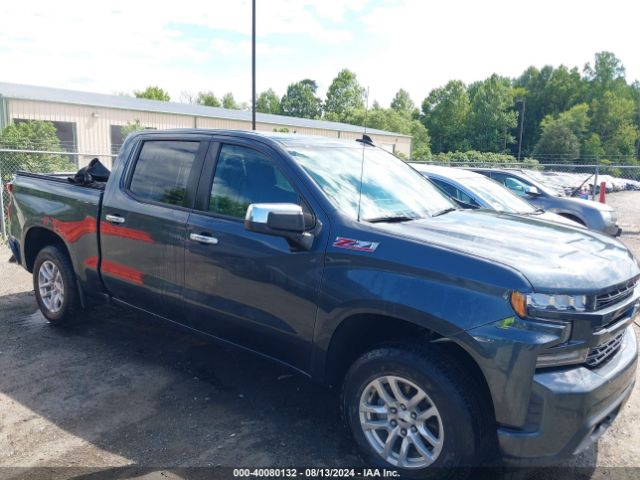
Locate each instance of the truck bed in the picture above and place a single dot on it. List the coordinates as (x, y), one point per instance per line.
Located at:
(51, 202)
(61, 178)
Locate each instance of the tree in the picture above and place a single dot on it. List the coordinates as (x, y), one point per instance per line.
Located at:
(268, 102)
(548, 91)
(33, 135)
(592, 150)
(611, 112)
(393, 121)
(420, 141)
(208, 99)
(153, 93)
(229, 102)
(345, 95)
(130, 127)
(445, 113)
(557, 144)
(491, 117)
(621, 146)
(577, 120)
(402, 103)
(607, 74)
(301, 100)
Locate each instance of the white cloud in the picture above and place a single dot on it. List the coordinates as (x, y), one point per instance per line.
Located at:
(429, 43)
(122, 45)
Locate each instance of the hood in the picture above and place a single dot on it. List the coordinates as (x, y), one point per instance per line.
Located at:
(554, 257)
(603, 207)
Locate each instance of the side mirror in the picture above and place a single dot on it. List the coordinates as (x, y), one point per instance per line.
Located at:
(532, 190)
(281, 220)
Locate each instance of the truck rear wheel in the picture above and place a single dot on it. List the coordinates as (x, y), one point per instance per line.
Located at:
(411, 410)
(54, 283)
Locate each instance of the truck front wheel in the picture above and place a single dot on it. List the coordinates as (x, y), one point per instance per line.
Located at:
(55, 287)
(410, 409)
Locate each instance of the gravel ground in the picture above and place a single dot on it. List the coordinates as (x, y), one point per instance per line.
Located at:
(123, 390)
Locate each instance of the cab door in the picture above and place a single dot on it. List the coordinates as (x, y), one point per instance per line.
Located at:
(143, 223)
(248, 288)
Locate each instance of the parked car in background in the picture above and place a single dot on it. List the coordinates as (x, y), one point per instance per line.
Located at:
(593, 215)
(472, 190)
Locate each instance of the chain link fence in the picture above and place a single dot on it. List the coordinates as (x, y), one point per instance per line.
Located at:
(38, 161)
(577, 180)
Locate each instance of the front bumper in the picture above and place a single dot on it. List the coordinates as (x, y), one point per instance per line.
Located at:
(570, 409)
(613, 230)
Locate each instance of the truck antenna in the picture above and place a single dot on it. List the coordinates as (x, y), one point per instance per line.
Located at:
(366, 139)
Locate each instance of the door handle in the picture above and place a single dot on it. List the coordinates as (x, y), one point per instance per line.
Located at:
(114, 218)
(206, 239)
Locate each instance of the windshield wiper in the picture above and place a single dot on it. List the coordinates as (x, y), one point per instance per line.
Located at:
(442, 212)
(390, 219)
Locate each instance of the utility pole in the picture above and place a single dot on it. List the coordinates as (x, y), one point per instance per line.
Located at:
(521, 128)
(253, 64)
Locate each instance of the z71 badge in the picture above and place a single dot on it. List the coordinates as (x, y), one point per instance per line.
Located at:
(353, 244)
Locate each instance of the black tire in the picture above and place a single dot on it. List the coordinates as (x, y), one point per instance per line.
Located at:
(70, 308)
(464, 415)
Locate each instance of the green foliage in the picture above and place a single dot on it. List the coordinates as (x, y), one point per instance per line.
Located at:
(395, 121)
(343, 97)
(402, 103)
(131, 127)
(229, 102)
(420, 141)
(445, 113)
(153, 93)
(474, 157)
(607, 74)
(301, 100)
(208, 99)
(592, 149)
(492, 118)
(557, 144)
(268, 102)
(611, 112)
(281, 130)
(33, 135)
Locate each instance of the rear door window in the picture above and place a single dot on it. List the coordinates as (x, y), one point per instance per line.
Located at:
(161, 173)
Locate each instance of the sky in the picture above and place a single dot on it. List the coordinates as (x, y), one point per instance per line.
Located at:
(116, 46)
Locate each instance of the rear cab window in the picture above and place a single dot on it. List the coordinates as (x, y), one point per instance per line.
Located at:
(162, 170)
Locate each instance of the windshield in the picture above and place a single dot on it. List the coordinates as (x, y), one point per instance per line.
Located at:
(390, 188)
(496, 195)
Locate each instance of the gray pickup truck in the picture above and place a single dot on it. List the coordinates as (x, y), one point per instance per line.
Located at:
(450, 338)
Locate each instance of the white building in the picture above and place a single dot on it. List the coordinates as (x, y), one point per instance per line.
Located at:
(90, 123)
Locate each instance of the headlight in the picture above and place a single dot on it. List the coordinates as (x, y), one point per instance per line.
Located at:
(561, 351)
(608, 216)
(542, 301)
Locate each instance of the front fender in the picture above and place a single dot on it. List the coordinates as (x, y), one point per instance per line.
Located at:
(446, 305)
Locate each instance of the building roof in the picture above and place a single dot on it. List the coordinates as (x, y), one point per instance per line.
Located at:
(58, 95)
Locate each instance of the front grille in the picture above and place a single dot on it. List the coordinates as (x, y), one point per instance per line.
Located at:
(615, 296)
(603, 352)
